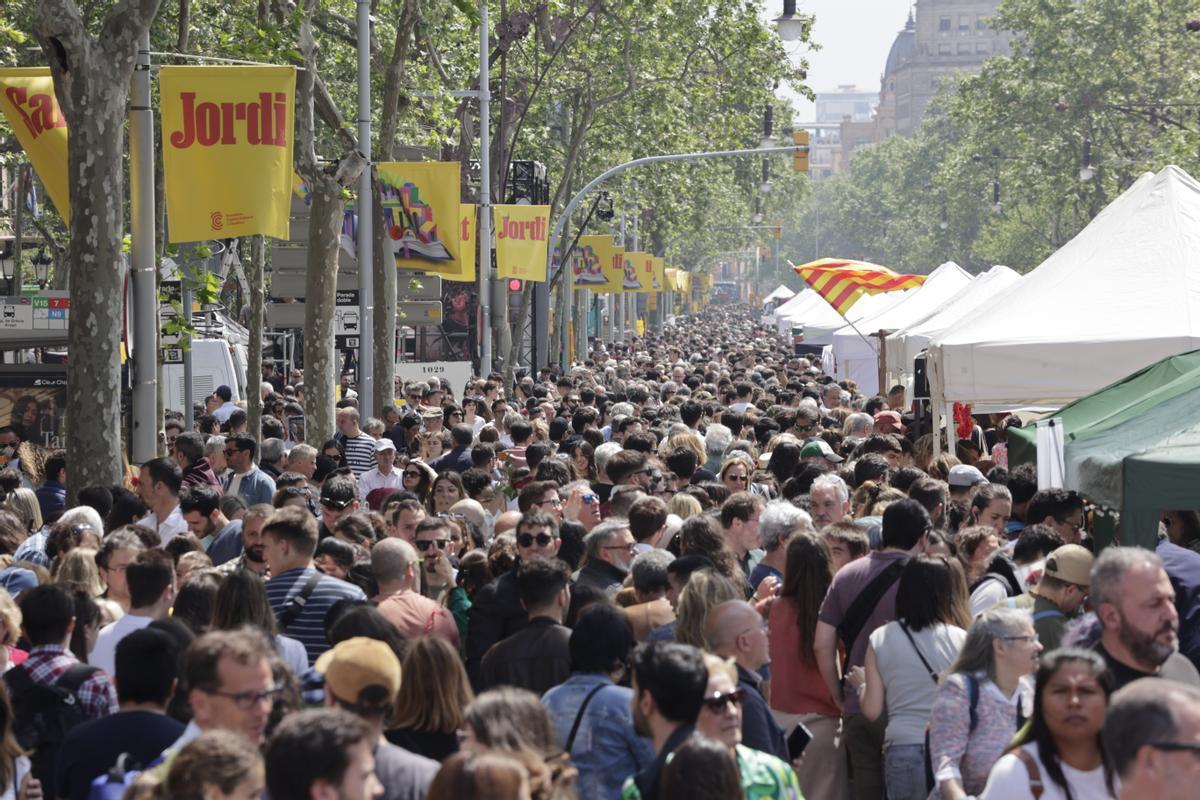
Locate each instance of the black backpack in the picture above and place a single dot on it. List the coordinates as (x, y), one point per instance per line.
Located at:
(44, 714)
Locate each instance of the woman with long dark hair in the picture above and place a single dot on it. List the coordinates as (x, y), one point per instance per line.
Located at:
(904, 662)
(798, 693)
(16, 781)
(1060, 748)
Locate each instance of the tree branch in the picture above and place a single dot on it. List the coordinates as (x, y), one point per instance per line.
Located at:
(328, 111)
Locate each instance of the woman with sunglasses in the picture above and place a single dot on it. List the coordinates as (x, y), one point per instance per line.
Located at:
(735, 475)
(418, 478)
(762, 774)
(447, 490)
(1060, 750)
(981, 702)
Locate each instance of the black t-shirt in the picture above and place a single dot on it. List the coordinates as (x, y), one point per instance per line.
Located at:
(92, 748)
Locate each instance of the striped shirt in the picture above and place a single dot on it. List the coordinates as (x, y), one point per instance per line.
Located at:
(360, 453)
(309, 625)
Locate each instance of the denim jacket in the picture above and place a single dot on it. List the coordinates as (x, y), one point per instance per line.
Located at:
(606, 749)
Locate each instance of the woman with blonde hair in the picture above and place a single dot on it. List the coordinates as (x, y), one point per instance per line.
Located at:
(705, 590)
(684, 505)
(10, 633)
(77, 572)
(434, 695)
(219, 765)
(24, 503)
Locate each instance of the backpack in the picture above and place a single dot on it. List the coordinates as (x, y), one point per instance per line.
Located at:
(113, 784)
(972, 702)
(42, 716)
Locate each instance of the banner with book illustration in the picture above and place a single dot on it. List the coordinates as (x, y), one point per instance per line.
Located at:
(600, 264)
(422, 216)
(631, 280)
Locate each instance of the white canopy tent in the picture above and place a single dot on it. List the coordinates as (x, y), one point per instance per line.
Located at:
(780, 293)
(857, 358)
(1122, 294)
(820, 320)
(906, 344)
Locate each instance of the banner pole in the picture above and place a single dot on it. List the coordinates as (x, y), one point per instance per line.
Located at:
(144, 437)
(366, 240)
(485, 198)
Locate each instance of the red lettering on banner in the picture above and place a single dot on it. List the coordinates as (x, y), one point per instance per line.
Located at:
(207, 124)
(534, 229)
(42, 112)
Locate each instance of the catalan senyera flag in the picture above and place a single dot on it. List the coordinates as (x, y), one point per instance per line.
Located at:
(521, 241)
(28, 101)
(227, 150)
(842, 282)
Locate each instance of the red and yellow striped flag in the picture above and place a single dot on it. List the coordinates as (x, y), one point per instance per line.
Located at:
(842, 282)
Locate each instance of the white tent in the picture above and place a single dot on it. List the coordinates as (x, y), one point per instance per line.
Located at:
(857, 358)
(1122, 294)
(906, 344)
(820, 320)
(780, 293)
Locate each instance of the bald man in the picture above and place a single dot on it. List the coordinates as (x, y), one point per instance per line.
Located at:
(395, 564)
(735, 630)
(1152, 735)
(506, 522)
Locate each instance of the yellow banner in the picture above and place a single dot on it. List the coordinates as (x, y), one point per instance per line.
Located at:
(658, 277)
(521, 241)
(466, 246)
(645, 272)
(672, 284)
(636, 278)
(27, 100)
(422, 215)
(683, 279)
(227, 150)
(600, 254)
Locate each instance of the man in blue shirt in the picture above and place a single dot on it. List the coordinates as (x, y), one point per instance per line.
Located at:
(299, 595)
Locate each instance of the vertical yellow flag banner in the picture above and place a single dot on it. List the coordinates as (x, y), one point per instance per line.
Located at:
(671, 283)
(634, 271)
(422, 215)
(27, 100)
(645, 272)
(521, 241)
(227, 150)
(465, 251)
(600, 271)
(659, 278)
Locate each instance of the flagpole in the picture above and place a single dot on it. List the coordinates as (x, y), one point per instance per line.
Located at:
(831, 305)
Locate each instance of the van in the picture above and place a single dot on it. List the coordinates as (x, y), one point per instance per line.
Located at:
(213, 365)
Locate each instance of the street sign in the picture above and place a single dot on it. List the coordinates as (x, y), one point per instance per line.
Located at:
(347, 324)
(45, 312)
(172, 355)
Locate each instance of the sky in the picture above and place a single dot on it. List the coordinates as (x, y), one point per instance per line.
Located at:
(854, 38)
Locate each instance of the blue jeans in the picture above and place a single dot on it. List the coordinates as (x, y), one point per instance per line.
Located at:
(904, 772)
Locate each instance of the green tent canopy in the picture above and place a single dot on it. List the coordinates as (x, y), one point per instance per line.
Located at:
(1113, 405)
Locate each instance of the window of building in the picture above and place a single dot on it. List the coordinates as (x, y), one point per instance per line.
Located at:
(944, 23)
(964, 48)
(981, 24)
(964, 22)
(983, 48)
(945, 49)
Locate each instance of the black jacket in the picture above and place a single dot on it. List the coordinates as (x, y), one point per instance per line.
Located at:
(601, 575)
(496, 613)
(759, 728)
(537, 658)
(457, 459)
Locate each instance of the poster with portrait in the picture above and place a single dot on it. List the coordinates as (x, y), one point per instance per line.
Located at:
(33, 400)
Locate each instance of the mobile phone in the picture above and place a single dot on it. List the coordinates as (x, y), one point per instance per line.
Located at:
(798, 740)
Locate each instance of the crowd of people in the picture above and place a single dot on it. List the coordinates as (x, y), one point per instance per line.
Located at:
(690, 567)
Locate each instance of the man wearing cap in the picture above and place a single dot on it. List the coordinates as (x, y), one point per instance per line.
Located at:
(1066, 578)
(889, 422)
(964, 480)
(818, 451)
(382, 475)
(362, 676)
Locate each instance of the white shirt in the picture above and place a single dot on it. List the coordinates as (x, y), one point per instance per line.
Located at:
(373, 479)
(224, 410)
(104, 654)
(1009, 780)
(169, 528)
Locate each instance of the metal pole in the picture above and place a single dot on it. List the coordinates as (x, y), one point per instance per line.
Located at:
(485, 198)
(619, 298)
(561, 221)
(366, 261)
(187, 253)
(144, 438)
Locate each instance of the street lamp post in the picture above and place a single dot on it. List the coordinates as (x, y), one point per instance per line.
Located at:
(8, 267)
(41, 267)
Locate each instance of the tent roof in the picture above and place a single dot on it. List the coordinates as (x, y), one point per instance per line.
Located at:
(780, 292)
(1125, 291)
(820, 320)
(941, 285)
(904, 345)
(1116, 404)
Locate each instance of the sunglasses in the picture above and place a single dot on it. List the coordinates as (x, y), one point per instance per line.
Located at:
(527, 539)
(717, 702)
(423, 544)
(336, 505)
(412, 473)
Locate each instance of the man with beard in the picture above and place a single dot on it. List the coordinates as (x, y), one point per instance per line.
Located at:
(669, 681)
(250, 540)
(201, 509)
(1135, 604)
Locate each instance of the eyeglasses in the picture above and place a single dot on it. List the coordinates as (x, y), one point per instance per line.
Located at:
(412, 473)
(542, 539)
(631, 547)
(231, 451)
(1177, 747)
(1031, 638)
(737, 478)
(717, 702)
(556, 502)
(423, 544)
(247, 700)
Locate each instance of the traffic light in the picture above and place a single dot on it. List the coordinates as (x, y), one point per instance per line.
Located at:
(800, 157)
